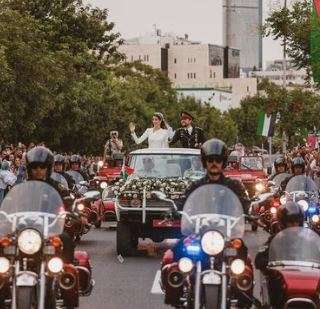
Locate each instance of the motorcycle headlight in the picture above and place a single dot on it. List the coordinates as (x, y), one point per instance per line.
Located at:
(315, 219)
(304, 204)
(185, 265)
(103, 185)
(29, 241)
(273, 210)
(283, 200)
(80, 207)
(212, 243)
(4, 265)
(55, 265)
(260, 187)
(100, 163)
(237, 266)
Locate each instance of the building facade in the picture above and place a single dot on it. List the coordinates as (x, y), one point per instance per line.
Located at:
(242, 21)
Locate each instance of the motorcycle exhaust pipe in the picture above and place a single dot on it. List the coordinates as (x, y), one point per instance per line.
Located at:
(67, 281)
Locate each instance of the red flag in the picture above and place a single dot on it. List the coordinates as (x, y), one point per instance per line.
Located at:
(317, 6)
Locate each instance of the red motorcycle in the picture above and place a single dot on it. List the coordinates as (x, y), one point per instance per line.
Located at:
(292, 277)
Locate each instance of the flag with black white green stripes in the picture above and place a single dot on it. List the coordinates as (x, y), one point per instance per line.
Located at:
(266, 124)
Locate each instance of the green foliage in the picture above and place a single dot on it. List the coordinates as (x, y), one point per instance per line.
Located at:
(293, 26)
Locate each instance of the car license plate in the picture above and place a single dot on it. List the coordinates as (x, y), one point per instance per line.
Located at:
(166, 223)
(211, 278)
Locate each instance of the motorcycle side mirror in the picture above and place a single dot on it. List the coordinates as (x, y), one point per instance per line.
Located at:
(271, 184)
(92, 195)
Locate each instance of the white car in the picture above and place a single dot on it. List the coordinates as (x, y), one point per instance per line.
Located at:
(139, 213)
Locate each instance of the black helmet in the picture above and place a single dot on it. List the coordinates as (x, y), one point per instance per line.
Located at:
(214, 148)
(291, 212)
(298, 162)
(58, 158)
(75, 159)
(39, 156)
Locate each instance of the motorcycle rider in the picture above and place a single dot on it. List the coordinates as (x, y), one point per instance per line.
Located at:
(290, 215)
(280, 166)
(39, 164)
(59, 167)
(75, 165)
(297, 167)
(214, 156)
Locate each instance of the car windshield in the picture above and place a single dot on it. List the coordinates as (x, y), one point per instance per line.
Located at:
(278, 179)
(33, 204)
(167, 166)
(59, 178)
(77, 177)
(253, 163)
(216, 207)
(301, 183)
(295, 246)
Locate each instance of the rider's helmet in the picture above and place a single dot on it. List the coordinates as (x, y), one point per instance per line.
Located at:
(75, 159)
(214, 148)
(291, 214)
(280, 161)
(39, 156)
(59, 159)
(298, 162)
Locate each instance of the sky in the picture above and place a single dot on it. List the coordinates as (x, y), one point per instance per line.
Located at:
(201, 19)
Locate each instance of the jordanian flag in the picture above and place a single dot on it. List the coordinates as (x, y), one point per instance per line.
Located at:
(266, 124)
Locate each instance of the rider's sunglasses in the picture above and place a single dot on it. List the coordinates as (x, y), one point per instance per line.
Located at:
(38, 165)
(214, 158)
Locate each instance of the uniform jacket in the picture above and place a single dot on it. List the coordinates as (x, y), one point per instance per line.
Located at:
(193, 140)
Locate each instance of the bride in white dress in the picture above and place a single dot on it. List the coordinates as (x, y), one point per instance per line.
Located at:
(158, 136)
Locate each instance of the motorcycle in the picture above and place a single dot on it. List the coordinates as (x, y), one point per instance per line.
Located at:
(32, 272)
(304, 191)
(213, 270)
(292, 277)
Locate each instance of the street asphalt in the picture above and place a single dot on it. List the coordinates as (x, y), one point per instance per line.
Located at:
(130, 283)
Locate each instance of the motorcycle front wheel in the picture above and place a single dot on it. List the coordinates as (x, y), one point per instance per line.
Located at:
(211, 297)
(26, 297)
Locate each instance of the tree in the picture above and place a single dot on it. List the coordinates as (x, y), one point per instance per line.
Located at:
(293, 26)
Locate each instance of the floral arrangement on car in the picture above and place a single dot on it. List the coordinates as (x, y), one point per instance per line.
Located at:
(133, 188)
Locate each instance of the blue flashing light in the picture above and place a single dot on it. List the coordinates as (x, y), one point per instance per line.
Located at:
(193, 249)
(312, 210)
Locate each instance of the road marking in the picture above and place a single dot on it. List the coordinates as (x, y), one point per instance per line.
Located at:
(156, 288)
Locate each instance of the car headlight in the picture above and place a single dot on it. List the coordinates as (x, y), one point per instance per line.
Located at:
(260, 187)
(55, 265)
(4, 265)
(80, 207)
(237, 266)
(103, 185)
(100, 163)
(185, 265)
(304, 204)
(29, 241)
(212, 243)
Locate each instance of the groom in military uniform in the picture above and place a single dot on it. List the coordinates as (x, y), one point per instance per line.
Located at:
(189, 135)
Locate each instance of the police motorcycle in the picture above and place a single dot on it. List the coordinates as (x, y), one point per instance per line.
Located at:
(292, 277)
(32, 271)
(303, 190)
(265, 205)
(210, 268)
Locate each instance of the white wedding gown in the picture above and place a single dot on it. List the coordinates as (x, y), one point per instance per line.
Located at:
(156, 139)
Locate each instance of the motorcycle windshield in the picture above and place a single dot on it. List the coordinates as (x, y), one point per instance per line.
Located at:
(32, 204)
(301, 183)
(77, 177)
(278, 179)
(59, 178)
(295, 246)
(216, 207)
